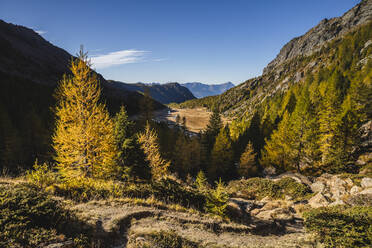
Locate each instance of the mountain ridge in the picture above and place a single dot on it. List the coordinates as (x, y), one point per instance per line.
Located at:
(202, 90)
(163, 93)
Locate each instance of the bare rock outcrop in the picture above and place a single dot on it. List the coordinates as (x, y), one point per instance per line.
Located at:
(325, 31)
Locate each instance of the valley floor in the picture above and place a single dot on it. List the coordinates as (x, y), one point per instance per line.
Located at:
(196, 118)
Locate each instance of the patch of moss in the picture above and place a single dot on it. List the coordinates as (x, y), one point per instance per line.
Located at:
(341, 226)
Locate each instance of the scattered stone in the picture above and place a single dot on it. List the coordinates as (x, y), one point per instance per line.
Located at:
(319, 200)
(338, 202)
(349, 182)
(366, 191)
(354, 190)
(366, 182)
(317, 187)
(66, 244)
(140, 239)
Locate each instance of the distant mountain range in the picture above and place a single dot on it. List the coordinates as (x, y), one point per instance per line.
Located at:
(163, 93)
(202, 90)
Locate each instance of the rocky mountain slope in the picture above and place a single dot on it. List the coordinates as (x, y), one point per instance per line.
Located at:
(325, 31)
(202, 90)
(302, 55)
(163, 93)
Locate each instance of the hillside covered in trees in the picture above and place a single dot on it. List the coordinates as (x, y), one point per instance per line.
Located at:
(30, 68)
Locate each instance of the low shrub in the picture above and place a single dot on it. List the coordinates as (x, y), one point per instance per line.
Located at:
(258, 188)
(217, 200)
(341, 226)
(85, 189)
(41, 175)
(161, 239)
(171, 191)
(30, 218)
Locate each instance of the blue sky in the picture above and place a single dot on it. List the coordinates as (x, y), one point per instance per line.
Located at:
(210, 41)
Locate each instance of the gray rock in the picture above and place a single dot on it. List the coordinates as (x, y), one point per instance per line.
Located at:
(366, 192)
(325, 31)
(338, 202)
(354, 190)
(66, 244)
(319, 200)
(317, 187)
(140, 239)
(366, 182)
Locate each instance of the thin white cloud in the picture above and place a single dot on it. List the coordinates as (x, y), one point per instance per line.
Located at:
(161, 59)
(40, 32)
(118, 58)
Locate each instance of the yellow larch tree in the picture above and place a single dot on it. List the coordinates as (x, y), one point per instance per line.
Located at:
(149, 143)
(83, 139)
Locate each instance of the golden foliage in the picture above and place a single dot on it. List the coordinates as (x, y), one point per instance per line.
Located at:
(149, 143)
(83, 138)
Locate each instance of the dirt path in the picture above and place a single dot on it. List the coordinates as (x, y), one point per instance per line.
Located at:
(124, 222)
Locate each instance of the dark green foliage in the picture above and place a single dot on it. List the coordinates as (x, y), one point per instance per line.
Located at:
(258, 188)
(341, 226)
(29, 218)
(171, 191)
(164, 239)
(324, 109)
(217, 200)
(222, 155)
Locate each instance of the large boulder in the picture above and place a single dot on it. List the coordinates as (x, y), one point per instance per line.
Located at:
(366, 192)
(317, 187)
(319, 200)
(355, 190)
(366, 182)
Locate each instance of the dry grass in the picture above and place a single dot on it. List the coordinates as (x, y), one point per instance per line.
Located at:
(196, 119)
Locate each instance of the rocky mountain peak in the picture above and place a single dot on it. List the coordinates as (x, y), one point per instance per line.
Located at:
(325, 31)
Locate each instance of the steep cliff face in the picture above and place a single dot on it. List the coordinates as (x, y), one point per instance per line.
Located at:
(325, 31)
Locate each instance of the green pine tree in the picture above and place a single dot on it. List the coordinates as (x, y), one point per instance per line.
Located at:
(222, 157)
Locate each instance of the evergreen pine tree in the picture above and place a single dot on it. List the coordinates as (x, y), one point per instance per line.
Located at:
(123, 140)
(247, 164)
(83, 140)
(222, 156)
(215, 124)
(146, 106)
